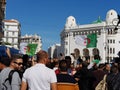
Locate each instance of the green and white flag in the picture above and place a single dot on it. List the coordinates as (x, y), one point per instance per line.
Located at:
(31, 49)
(91, 40)
(28, 49)
(87, 41)
(81, 40)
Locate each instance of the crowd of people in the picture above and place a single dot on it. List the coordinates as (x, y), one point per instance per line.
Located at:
(21, 72)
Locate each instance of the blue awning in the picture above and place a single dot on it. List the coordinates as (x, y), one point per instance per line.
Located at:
(3, 50)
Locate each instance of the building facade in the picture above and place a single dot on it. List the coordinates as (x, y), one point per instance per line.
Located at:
(12, 33)
(54, 51)
(32, 39)
(108, 37)
(2, 16)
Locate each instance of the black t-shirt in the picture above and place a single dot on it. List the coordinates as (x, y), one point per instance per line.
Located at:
(65, 78)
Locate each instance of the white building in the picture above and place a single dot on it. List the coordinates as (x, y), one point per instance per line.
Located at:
(12, 32)
(54, 51)
(32, 39)
(108, 39)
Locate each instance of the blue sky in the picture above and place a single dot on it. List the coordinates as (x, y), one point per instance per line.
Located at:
(48, 17)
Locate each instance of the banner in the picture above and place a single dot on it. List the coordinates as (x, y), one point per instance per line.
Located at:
(80, 40)
(88, 41)
(91, 40)
(3, 50)
(23, 48)
(28, 49)
(31, 49)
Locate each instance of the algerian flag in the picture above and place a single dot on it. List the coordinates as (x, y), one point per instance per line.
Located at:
(31, 49)
(80, 40)
(23, 47)
(89, 40)
(28, 49)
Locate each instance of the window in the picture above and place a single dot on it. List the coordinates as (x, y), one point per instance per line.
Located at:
(111, 13)
(113, 41)
(110, 50)
(85, 52)
(110, 41)
(113, 50)
(13, 33)
(72, 19)
(95, 51)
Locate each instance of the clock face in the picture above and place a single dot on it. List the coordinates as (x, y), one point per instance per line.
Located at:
(115, 21)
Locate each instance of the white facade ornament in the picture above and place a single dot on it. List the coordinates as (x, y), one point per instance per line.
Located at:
(111, 14)
(70, 22)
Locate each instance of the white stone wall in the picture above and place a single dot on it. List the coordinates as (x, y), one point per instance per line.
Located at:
(68, 42)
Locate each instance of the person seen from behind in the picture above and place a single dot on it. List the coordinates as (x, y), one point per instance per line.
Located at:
(113, 78)
(39, 76)
(85, 77)
(99, 74)
(64, 76)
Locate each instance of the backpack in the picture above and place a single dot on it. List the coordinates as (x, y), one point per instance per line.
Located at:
(114, 82)
(9, 79)
(102, 85)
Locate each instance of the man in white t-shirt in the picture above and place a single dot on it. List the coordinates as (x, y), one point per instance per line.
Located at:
(39, 77)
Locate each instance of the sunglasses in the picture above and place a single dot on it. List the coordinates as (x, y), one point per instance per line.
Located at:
(18, 63)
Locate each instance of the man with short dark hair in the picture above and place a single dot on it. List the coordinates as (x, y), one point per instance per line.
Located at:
(64, 76)
(15, 64)
(4, 62)
(99, 74)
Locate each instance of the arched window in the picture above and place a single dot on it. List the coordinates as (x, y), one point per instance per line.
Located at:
(85, 52)
(95, 51)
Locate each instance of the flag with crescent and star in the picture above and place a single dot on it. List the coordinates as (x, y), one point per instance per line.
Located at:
(88, 41)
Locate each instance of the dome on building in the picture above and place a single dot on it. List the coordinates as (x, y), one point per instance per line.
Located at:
(111, 14)
(70, 22)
